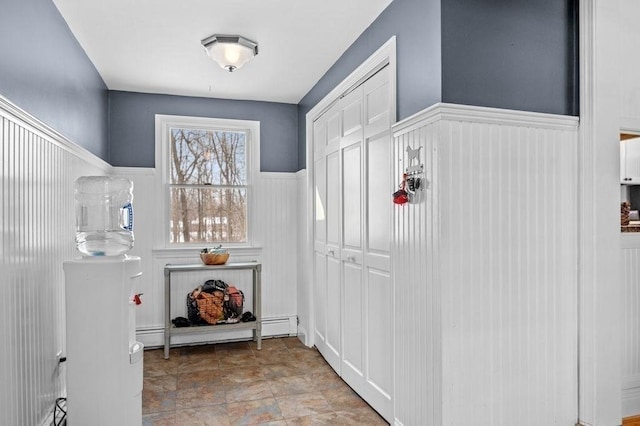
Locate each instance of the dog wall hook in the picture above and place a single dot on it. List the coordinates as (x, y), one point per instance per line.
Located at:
(414, 154)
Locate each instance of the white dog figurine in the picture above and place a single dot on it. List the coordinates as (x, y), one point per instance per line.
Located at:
(413, 154)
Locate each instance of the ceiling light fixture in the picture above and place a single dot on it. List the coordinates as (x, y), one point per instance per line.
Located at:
(231, 52)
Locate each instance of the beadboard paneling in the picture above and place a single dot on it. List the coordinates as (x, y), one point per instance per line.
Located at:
(275, 246)
(509, 292)
(418, 346)
(486, 259)
(630, 263)
(302, 261)
(37, 228)
(277, 233)
(630, 271)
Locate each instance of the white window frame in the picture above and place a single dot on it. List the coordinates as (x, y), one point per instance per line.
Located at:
(163, 125)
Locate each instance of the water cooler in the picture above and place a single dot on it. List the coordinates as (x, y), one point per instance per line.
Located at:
(104, 360)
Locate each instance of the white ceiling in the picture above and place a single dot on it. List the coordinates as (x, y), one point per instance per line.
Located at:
(153, 46)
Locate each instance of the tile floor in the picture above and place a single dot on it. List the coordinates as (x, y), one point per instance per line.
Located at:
(285, 383)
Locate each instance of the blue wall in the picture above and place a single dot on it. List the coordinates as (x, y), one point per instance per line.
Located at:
(44, 71)
(132, 126)
(416, 25)
(513, 54)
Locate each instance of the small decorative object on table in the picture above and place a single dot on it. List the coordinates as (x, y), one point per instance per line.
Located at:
(214, 256)
(625, 208)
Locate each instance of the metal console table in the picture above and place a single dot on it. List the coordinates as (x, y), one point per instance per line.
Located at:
(256, 326)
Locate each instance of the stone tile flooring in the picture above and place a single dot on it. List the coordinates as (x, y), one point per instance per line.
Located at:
(285, 383)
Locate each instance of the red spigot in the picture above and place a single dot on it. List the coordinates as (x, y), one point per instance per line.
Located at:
(136, 299)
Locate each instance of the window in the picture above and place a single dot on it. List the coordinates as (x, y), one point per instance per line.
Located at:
(207, 166)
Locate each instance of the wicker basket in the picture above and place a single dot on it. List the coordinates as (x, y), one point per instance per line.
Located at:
(214, 258)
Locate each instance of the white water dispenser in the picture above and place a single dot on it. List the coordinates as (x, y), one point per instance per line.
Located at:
(104, 360)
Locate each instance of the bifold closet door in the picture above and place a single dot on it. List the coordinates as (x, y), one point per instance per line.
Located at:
(352, 238)
(327, 282)
(353, 286)
(367, 355)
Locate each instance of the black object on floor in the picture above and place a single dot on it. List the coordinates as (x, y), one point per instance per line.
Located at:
(248, 317)
(181, 322)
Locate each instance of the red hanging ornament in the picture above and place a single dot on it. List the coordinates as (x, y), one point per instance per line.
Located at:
(401, 196)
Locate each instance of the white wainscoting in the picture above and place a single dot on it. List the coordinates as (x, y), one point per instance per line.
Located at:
(275, 246)
(630, 273)
(415, 257)
(485, 270)
(304, 301)
(37, 223)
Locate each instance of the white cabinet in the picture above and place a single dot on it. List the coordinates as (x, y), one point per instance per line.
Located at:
(105, 362)
(353, 289)
(630, 161)
(629, 64)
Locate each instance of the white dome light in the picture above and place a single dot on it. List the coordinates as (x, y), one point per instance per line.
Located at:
(231, 52)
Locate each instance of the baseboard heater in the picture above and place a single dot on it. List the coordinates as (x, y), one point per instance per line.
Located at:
(153, 337)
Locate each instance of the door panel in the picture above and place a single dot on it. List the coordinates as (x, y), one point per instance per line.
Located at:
(320, 298)
(379, 330)
(377, 104)
(352, 114)
(353, 317)
(334, 317)
(319, 244)
(319, 136)
(319, 213)
(334, 131)
(352, 197)
(381, 261)
(321, 266)
(332, 248)
(378, 192)
(333, 199)
(376, 386)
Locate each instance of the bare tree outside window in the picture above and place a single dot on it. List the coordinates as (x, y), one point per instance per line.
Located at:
(208, 186)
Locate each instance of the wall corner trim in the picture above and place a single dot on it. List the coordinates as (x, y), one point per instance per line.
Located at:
(11, 111)
(487, 115)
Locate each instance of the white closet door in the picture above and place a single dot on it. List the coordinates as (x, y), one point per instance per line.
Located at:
(368, 295)
(378, 304)
(327, 236)
(351, 147)
(334, 317)
(353, 290)
(320, 257)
